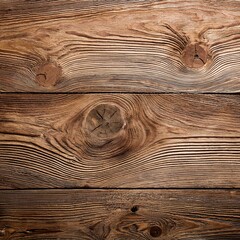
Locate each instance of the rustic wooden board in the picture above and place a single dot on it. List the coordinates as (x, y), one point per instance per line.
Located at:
(120, 214)
(120, 46)
(119, 140)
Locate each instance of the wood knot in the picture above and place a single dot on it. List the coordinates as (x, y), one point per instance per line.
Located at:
(104, 120)
(134, 209)
(195, 56)
(155, 231)
(48, 74)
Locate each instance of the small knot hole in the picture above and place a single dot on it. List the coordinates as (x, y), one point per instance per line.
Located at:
(155, 231)
(134, 209)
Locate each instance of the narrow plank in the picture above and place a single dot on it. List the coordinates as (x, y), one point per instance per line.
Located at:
(120, 214)
(119, 140)
(120, 46)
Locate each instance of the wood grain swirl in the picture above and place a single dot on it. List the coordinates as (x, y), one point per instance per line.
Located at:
(120, 46)
(119, 140)
(120, 215)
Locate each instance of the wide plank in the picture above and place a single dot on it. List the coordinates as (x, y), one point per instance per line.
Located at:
(119, 140)
(120, 214)
(120, 46)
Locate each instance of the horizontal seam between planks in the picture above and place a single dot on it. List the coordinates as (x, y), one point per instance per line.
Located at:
(123, 93)
(124, 189)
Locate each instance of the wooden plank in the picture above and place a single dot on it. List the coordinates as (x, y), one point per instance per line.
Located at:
(121, 46)
(119, 140)
(120, 214)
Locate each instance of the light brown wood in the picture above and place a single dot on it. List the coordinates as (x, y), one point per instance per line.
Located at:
(120, 46)
(104, 121)
(151, 141)
(120, 214)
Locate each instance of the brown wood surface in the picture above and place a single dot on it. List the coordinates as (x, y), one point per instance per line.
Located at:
(120, 46)
(99, 149)
(119, 140)
(120, 214)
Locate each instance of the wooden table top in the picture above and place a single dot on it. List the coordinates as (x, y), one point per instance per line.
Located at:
(120, 120)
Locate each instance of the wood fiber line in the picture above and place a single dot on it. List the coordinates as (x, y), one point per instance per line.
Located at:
(120, 46)
(119, 141)
(120, 214)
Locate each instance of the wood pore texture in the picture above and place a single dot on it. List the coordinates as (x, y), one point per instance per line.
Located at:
(119, 120)
(120, 46)
(119, 140)
(120, 214)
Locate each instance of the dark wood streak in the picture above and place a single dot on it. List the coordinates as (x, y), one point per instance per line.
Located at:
(106, 214)
(165, 140)
(120, 46)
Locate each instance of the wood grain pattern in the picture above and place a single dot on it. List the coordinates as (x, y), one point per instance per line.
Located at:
(120, 46)
(119, 140)
(120, 214)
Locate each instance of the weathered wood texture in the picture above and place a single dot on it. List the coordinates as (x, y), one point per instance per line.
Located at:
(130, 46)
(119, 140)
(120, 214)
